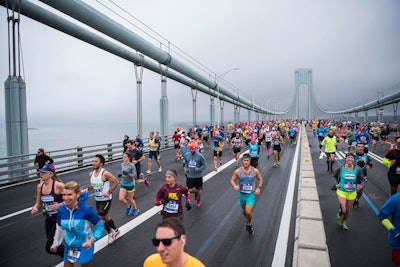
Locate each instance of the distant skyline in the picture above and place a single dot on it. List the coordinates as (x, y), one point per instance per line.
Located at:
(352, 47)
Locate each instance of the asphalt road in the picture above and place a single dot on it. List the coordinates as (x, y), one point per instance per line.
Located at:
(215, 230)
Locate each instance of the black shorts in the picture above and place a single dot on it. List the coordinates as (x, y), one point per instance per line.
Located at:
(277, 148)
(103, 207)
(254, 162)
(194, 183)
(217, 153)
(236, 150)
(394, 179)
(177, 146)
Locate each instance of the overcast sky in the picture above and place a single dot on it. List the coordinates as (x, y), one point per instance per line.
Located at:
(353, 48)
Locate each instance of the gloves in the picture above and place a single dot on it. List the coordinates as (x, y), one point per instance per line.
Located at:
(119, 175)
(188, 206)
(165, 201)
(395, 233)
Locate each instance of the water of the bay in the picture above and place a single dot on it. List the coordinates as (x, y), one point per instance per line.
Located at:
(57, 136)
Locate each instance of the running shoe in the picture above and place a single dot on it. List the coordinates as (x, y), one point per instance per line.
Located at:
(128, 210)
(274, 165)
(356, 204)
(215, 169)
(112, 236)
(339, 219)
(198, 203)
(220, 163)
(146, 182)
(160, 169)
(148, 171)
(279, 163)
(344, 226)
(135, 212)
(116, 233)
(141, 176)
(250, 229)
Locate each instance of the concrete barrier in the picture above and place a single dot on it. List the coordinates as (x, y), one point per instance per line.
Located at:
(310, 248)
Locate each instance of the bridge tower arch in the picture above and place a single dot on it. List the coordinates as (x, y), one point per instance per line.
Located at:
(304, 76)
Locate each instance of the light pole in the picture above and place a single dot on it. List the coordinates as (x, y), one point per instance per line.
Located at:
(217, 79)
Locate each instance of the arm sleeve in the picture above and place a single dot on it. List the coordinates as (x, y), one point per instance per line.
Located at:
(336, 174)
(58, 236)
(360, 175)
(50, 160)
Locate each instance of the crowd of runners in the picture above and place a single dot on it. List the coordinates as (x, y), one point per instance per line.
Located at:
(243, 141)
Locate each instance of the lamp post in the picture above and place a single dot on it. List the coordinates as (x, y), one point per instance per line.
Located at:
(217, 79)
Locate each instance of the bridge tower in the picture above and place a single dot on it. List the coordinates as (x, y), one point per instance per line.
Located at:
(304, 76)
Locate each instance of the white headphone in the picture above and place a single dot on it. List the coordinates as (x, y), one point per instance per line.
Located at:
(183, 240)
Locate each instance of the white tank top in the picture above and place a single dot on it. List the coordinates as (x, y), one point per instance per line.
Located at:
(100, 187)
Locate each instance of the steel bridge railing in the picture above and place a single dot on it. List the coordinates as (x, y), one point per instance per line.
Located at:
(21, 168)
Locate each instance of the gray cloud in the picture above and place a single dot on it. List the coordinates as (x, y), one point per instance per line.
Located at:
(352, 48)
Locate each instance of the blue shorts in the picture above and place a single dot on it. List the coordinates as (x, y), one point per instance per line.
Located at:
(153, 154)
(247, 199)
(78, 255)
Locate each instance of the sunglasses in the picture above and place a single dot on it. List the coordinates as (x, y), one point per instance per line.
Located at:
(166, 241)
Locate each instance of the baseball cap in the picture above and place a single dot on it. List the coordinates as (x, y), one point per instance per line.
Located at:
(48, 168)
(192, 146)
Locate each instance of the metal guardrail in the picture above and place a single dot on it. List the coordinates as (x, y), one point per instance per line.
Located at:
(21, 168)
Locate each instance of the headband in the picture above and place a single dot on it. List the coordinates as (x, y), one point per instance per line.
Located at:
(171, 173)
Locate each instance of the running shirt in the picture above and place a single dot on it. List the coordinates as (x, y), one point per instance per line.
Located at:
(276, 141)
(237, 142)
(155, 261)
(100, 187)
(348, 180)
(174, 195)
(253, 150)
(154, 144)
(268, 137)
(330, 144)
(247, 181)
(48, 199)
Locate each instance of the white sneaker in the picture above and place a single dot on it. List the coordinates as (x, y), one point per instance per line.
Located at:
(160, 169)
(148, 171)
(112, 236)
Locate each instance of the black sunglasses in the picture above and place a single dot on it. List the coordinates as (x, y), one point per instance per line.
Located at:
(166, 241)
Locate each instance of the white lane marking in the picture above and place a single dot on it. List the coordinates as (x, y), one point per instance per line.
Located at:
(283, 235)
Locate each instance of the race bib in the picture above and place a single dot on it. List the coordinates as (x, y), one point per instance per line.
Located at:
(172, 206)
(47, 202)
(73, 254)
(349, 187)
(192, 164)
(247, 188)
(98, 192)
